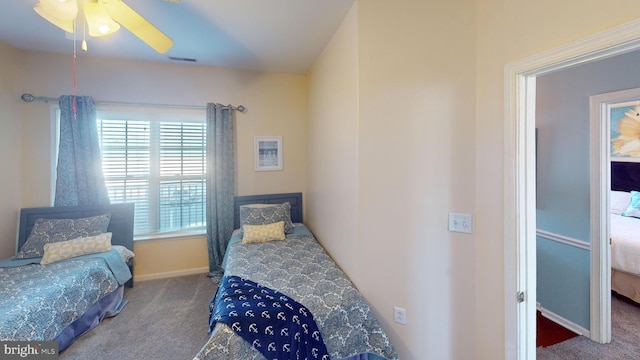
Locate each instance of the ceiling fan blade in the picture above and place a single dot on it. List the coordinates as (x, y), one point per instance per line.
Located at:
(138, 25)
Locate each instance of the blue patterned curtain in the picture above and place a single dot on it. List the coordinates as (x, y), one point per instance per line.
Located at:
(79, 179)
(220, 181)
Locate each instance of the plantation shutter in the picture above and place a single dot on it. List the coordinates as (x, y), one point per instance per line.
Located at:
(160, 166)
(126, 151)
(182, 171)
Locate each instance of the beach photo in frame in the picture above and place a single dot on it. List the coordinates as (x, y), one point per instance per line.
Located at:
(267, 153)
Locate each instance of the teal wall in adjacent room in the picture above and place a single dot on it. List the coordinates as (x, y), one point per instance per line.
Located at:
(562, 121)
(566, 280)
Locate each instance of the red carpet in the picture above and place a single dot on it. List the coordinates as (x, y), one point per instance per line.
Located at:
(549, 333)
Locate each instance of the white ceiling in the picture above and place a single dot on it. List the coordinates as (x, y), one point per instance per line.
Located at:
(283, 36)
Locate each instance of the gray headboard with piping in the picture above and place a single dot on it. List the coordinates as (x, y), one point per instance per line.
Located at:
(295, 199)
(120, 225)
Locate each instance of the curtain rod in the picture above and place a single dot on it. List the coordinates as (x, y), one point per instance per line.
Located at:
(30, 98)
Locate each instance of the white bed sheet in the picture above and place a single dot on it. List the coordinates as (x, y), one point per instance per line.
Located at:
(625, 244)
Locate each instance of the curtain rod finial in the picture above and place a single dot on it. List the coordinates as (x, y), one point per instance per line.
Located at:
(27, 97)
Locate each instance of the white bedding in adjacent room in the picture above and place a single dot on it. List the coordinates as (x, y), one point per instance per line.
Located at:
(625, 244)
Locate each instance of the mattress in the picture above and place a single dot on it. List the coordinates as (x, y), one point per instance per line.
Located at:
(626, 284)
(300, 268)
(625, 244)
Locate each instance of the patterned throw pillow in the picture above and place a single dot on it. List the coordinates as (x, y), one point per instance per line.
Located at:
(81, 246)
(263, 233)
(262, 214)
(55, 230)
(634, 207)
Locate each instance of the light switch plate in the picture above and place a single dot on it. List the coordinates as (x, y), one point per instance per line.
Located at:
(460, 223)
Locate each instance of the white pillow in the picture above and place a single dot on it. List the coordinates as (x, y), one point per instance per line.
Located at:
(124, 252)
(620, 201)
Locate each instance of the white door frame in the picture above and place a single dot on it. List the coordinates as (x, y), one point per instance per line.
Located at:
(519, 187)
(600, 128)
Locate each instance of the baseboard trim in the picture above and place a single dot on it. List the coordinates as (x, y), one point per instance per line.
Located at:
(564, 322)
(170, 274)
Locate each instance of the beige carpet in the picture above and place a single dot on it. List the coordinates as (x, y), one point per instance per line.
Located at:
(625, 344)
(164, 319)
(168, 319)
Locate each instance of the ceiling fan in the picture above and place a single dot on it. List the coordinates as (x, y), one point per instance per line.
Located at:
(103, 17)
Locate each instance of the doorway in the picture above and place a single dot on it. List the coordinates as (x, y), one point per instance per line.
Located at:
(520, 209)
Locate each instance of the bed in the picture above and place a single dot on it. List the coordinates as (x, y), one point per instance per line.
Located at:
(299, 268)
(69, 295)
(625, 230)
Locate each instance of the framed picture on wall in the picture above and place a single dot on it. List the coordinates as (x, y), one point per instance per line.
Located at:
(267, 153)
(625, 125)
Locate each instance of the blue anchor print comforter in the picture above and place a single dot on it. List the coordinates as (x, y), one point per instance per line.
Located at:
(273, 323)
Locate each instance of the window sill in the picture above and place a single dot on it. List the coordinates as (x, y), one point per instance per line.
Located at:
(174, 235)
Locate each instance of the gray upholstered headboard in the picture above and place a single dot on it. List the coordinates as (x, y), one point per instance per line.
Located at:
(295, 199)
(121, 224)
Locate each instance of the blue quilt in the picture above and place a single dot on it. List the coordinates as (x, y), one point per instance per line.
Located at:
(273, 323)
(113, 259)
(38, 301)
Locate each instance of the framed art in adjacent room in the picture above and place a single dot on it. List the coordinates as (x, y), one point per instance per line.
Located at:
(267, 153)
(624, 118)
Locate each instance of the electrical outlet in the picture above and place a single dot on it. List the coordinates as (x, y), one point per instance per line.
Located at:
(460, 223)
(399, 315)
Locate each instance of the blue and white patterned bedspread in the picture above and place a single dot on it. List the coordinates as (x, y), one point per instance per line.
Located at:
(300, 268)
(37, 302)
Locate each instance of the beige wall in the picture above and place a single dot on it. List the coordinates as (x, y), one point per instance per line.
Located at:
(414, 130)
(10, 151)
(428, 126)
(332, 178)
(167, 258)
(509, 31)
(276, 105)
(416, 143)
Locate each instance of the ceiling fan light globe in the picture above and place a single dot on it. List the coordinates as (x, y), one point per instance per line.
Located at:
(66, 25)
(99, 21)
(64, 10)
(103, 29)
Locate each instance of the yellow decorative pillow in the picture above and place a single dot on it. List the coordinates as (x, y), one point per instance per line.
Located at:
(262, 233)
(80, 246)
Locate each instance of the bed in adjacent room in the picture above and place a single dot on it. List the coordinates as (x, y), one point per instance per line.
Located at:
(278, 270)
(625, 229)
(68, 272)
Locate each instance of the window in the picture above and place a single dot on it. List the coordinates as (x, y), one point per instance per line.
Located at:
(155, 158)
